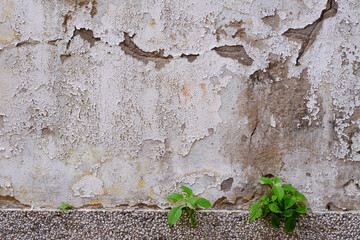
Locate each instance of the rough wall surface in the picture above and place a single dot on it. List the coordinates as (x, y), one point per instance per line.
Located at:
(119, 103)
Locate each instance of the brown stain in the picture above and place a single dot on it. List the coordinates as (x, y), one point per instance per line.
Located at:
(307, 35)
(46, 132)
(67, 17)
(190, 57)
(185, 90)
(94, 10)
(2, 124)
(153, 23)
(63, 57)
(258, 146)
(220, 31)
(236, 52)
(203, 88)
(87, 35)
(240, 31)
(131, 49)
(11, 202)
(273, 20)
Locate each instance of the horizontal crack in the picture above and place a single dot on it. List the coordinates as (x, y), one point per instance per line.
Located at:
(236, 52)
(130, 48)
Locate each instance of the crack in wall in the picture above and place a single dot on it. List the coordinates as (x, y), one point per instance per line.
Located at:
(131, 49)
(190, 57)
(307, 35)
(87, 35)
(236, 52)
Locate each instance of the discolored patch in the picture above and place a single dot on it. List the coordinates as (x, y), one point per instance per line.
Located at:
(236, 52)
(87, 35)
(11, 202)
(273, 20)
(226, 184)
(190, 57)
(130, 48)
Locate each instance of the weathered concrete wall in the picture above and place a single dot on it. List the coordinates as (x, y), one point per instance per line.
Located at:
(120, 102)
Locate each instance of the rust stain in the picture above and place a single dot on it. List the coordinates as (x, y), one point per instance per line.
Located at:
(186, 92)
(151, 192)
(153, 22)
(117, 189)
(203, 88)
(141, 183)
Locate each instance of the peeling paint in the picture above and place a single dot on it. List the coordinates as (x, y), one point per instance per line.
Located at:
(120, 103)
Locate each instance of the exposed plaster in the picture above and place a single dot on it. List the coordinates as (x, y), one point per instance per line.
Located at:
(119, 104)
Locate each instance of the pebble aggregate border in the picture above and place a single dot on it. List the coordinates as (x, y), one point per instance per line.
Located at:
(152, 224)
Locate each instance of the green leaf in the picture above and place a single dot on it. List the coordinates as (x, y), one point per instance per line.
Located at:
(275, 220)
(301, 208)
(276, 180)
(193, 220)
(274, 208)
(203, 203)
(289, 201)
(65, 206)
(288, 213)
(278, 191)
(273, 198)
(289, 188)
(290, 224)
(174, 215)
(255, 213)
(175, 196)
(265, 210)
(266, 180)
(300, 196)
(265, 199)
(256, 204)
(191, 200)
(188, 191)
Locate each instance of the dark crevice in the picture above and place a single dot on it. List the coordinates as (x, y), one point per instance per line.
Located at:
(53, 42)
(227, 184)
(190, 57)
(252, 134)
(28, 42)
(352, 181)
(130, 48)
(236, 52)
(307, 35)
(87, 35)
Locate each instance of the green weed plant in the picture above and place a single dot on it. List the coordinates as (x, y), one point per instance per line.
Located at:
(285, 202)
(188, 204)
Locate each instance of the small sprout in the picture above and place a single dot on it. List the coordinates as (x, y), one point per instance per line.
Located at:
(188, 203)
(65, 206)
(285, 202)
